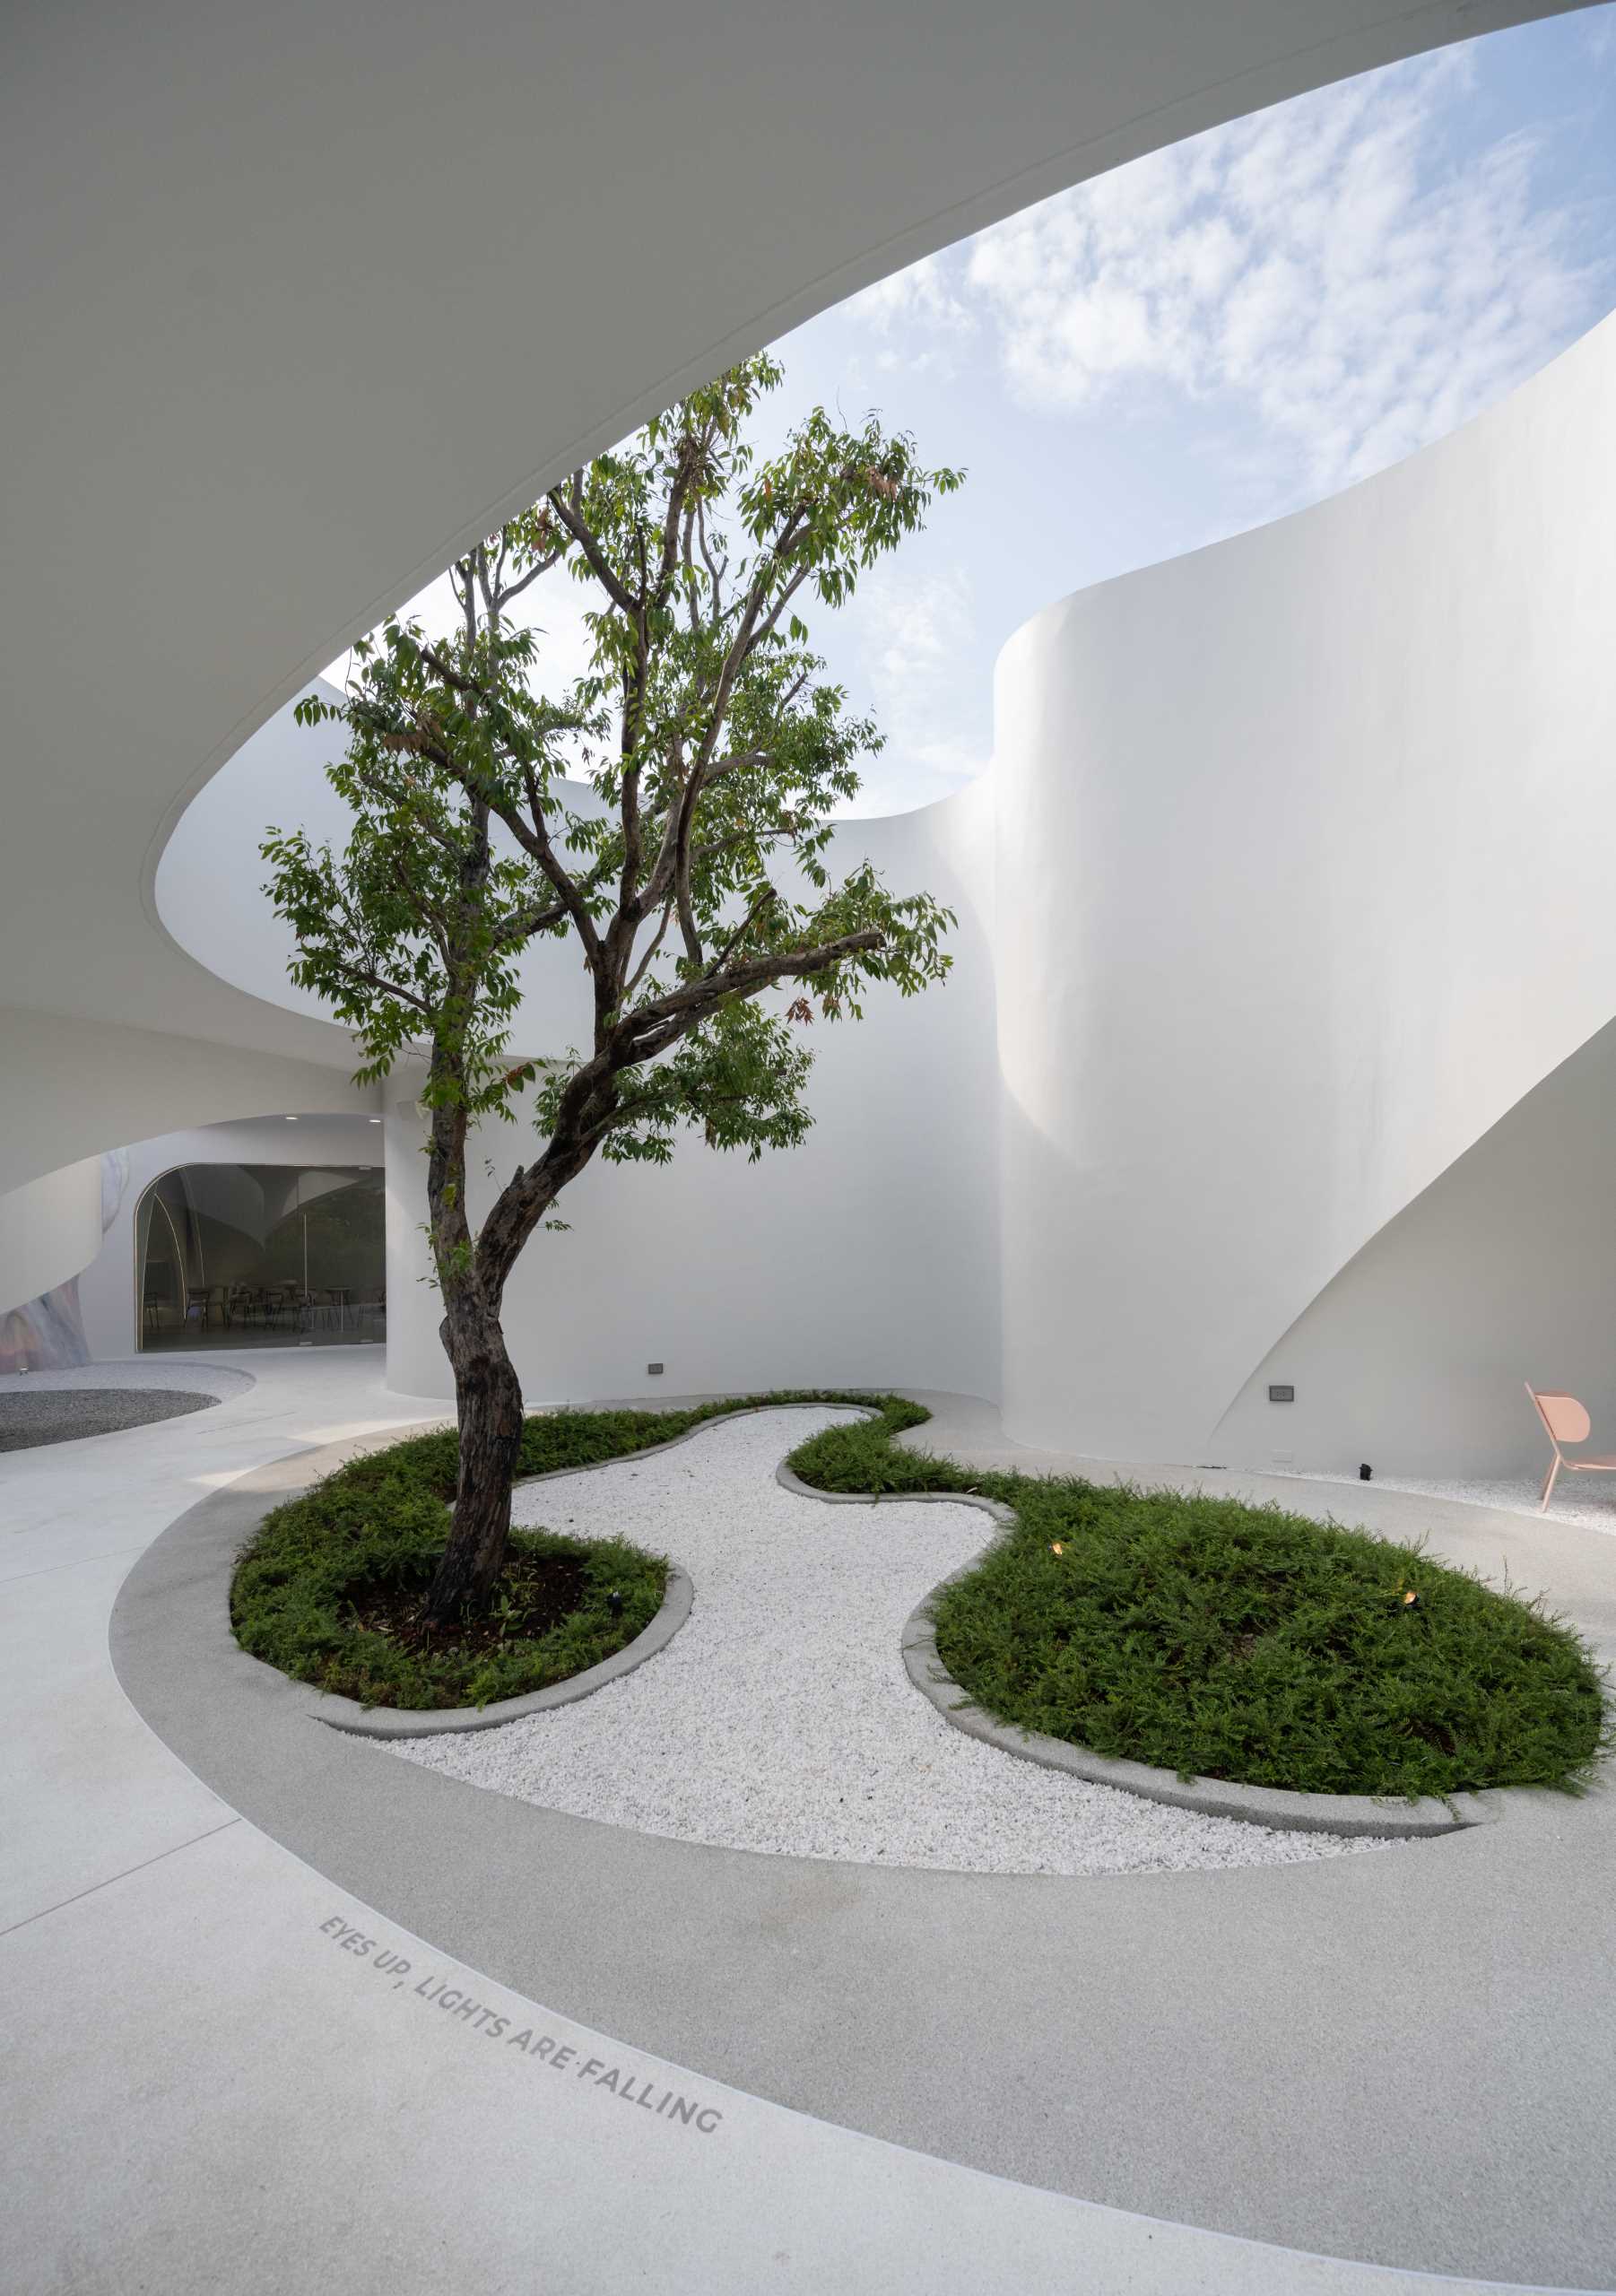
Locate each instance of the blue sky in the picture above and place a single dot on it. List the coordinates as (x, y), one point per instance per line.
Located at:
(1196, 343)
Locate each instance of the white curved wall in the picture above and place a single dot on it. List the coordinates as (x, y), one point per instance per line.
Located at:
(1291, 883)
(1300, 841)
(74, 1087)
(232, 445)
(207, 889)
(1304, 854)
(1414, 1357)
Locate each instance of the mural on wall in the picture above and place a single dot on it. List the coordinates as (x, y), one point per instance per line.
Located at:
(48, 1334)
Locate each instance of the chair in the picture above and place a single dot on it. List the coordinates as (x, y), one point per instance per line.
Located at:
(1565, 1422)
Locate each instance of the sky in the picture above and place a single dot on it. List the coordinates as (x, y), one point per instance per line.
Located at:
(1193, 344)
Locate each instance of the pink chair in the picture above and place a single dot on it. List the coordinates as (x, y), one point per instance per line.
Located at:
(1565, 1422)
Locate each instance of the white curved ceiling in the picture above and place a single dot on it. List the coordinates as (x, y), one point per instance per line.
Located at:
(297, 299)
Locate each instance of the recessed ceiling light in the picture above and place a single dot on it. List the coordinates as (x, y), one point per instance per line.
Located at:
(292, 1119)
(376, 1119)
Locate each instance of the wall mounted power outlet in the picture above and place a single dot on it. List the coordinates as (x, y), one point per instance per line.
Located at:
(654, 1370)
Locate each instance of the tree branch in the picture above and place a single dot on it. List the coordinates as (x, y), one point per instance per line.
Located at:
(685, 1007)
(417, 814)
(766, 628)
(540, 566)
(644, 966)
(527, 922)
(536, 840)
(765, 900)
(569, 509)
(366, 978)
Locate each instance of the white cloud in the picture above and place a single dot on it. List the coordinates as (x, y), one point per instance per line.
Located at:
(921, 322)
(924, 291)
(1322, 266)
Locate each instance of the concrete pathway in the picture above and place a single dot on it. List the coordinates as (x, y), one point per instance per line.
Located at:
(223, 2076)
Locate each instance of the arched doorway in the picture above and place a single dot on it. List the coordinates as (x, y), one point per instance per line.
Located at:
(261, 1255)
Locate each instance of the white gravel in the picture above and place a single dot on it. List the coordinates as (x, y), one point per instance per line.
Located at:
(1587, 1500)
(780, 1717)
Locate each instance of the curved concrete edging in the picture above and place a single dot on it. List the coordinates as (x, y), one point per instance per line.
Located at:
(340, 1713)
(1283, 1811)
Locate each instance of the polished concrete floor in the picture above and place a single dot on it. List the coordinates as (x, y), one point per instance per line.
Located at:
(225, 2077)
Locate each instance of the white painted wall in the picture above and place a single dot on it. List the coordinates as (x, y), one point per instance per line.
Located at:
(1303, 866)
(107, 1287)
(211, 277)
(272, 378)
(49, 1229)
(869, 1255)
(1291, 881)
(1414, 1357)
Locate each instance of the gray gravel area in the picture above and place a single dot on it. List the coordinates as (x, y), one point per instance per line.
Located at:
(780, 1718)
(194, 1375)
(40, 1408)
(68, 1415)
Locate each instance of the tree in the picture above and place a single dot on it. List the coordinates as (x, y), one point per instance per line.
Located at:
(694, 882)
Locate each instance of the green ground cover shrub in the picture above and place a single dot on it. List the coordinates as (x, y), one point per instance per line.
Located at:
(1193, 1632)
(325, 1589)
(1223, 1640)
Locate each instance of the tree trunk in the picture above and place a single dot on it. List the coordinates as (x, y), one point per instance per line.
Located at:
(488, 1400)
